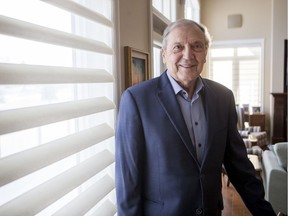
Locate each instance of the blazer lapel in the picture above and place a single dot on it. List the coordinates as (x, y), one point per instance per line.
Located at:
(170, 104)
(209, 100)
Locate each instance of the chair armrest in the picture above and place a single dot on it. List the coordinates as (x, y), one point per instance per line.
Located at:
(275, 181)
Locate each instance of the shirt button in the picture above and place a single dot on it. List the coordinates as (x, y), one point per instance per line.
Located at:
(199, 211)
(196, 123)
(199, 145)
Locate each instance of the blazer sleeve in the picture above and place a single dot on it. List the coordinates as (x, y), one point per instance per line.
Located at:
(129, 150)
(241, 171)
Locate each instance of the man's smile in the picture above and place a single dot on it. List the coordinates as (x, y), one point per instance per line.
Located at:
(187, 65)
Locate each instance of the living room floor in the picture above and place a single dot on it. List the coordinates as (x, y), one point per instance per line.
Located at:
(233, 204)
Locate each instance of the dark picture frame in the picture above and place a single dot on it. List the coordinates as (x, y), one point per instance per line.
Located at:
(137, 66)
(256, 109)
(285, 65)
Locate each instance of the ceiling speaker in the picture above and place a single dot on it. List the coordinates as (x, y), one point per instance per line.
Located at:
(235, 21)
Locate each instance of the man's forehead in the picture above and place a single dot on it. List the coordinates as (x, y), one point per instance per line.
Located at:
(186, 34)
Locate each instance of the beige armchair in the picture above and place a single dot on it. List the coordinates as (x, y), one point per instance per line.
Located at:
(254, 139)
(250, 133)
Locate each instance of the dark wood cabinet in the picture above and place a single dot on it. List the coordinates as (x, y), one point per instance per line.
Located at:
(257, 119)
(279, 117)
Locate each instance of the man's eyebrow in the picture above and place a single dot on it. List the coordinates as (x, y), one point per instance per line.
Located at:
(176, 43)
(197, 41)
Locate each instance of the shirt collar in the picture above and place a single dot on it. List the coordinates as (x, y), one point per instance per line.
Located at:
(177, 88)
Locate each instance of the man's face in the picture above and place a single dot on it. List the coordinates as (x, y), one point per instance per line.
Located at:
(185, 53)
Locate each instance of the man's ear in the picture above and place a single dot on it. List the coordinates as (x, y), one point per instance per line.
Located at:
(163, 54)
(206, 52)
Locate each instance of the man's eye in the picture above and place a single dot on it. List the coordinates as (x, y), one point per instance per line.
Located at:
(177, 47)
(198, 47)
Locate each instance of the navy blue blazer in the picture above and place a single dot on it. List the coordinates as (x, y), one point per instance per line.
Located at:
(157, 171)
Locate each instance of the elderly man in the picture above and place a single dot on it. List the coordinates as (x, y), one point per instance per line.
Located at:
(174, 133)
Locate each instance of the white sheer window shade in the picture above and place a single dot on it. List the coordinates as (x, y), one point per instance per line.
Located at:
(239, 66)
(57, 108)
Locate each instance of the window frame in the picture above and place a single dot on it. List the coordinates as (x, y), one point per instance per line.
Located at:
(237, 44)
(195, 7)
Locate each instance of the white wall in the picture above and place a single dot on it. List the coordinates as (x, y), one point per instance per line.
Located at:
(279, 33)
(135, 29)
(256, 18)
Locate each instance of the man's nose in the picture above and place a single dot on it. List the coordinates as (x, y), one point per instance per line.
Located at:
(188, 52)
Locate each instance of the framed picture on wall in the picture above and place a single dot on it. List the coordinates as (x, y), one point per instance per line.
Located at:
(246, 108)
(285, 65)
(256, 109)
(137, 66)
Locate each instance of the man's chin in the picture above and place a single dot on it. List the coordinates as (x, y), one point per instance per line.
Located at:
(187, 70)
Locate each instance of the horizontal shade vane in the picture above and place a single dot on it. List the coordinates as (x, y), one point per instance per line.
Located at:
(107, 208)
(80, 10)
(88, 199)
(37, 199)
(25, 118)
(26, 30)
(33, 159)
(35, 74)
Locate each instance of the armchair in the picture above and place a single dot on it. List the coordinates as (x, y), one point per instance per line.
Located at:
(247, 133)
(250, 132)
(275, 175)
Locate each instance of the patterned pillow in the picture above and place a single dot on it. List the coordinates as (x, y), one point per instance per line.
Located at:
(255, 150)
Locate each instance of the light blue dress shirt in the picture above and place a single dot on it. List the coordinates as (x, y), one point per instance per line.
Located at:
(193, 113)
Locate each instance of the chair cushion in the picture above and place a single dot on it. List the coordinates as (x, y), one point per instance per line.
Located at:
(280, 150)
(256, 150)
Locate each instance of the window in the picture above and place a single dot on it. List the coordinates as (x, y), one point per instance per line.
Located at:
(158, 65)
(163, 13)
(166, 7)
(192, 10)
(57, 107)
(239, 67)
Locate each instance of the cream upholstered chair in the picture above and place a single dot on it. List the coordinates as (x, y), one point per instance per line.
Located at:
(255, 150)
(274, 175)
(245, 130)
(248, 132)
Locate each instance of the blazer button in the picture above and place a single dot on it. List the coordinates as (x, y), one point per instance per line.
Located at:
(199, 211)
